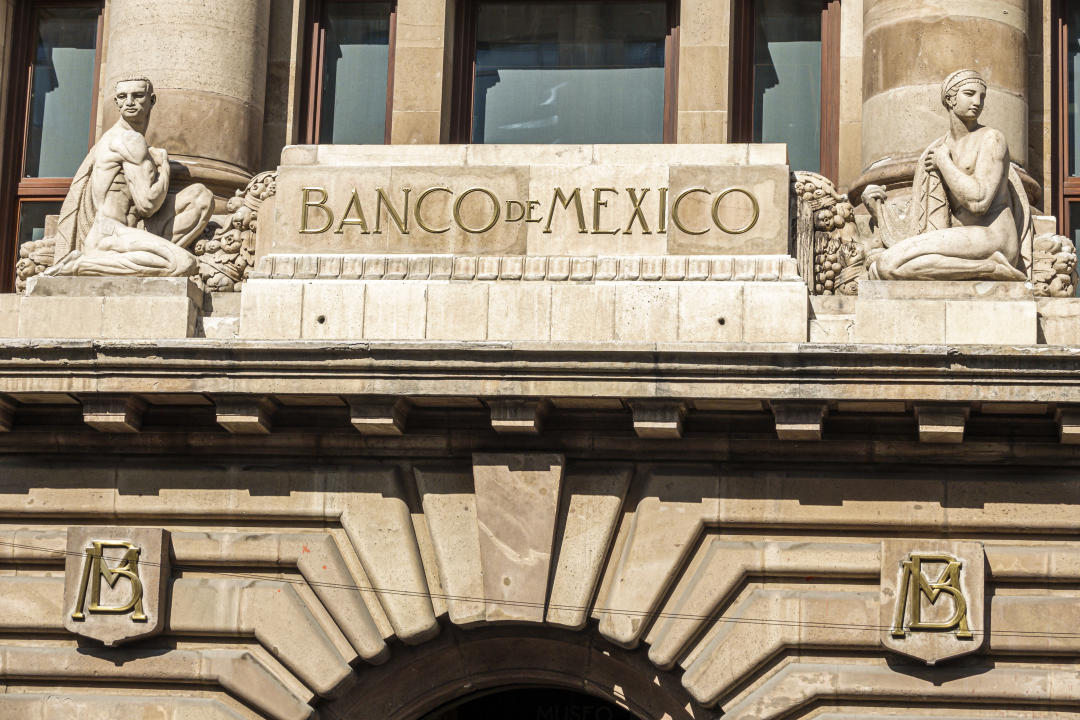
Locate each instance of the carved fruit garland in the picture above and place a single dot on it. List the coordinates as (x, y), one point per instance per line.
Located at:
(226, 252)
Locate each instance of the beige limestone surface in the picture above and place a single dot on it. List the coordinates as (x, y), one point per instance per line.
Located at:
(117, 307)
(517, 500)
(537, 311)
(970, 312)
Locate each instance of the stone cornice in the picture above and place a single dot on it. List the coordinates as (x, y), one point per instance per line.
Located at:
(777, 371)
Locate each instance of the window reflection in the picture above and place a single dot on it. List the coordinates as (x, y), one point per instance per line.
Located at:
(787, 78)
(32, 219)
(355, 67)
(1072, 60)
(61, 94)
(569, 72)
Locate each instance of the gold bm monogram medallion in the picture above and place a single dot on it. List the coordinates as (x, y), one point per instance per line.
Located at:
(915, 585)
(96, 567)
(933, 598)
(115, 581)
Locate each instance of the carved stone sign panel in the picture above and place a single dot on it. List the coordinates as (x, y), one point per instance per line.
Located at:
(114, 582)
(932, 598)
(576, 200)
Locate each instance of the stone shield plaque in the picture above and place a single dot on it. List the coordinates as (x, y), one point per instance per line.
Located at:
(115, 581)
(932, 605)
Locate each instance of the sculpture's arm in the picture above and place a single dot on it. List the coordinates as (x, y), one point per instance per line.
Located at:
(976, 192)
(148, 180)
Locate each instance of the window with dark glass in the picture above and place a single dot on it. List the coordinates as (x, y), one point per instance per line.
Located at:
(565, 71)
(786, 60)
(55, 54)
(1066, 154)
(349, 79)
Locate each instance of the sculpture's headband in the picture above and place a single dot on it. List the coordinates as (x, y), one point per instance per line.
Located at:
(957, 79)
(138, 78)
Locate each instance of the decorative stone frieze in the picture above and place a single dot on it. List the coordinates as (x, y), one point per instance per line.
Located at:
(533, 268)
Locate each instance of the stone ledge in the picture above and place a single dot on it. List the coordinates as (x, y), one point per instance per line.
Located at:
(748, 268)
(959, 313)
(944, 290)
(783, 371)
(171, 287)
(110, 307)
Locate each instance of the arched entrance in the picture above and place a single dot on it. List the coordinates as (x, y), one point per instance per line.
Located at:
(531, 703)
(523, 668)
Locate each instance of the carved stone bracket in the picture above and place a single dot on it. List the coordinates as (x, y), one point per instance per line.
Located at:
(7, 415)
(378, 415)
(114, 413)
(653, 419)
(245, 415)
(517, 416)
(799, 420)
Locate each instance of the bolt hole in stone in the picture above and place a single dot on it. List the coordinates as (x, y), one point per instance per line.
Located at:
(529, 703)
(721, 321)
(506, 581)
(321, 319)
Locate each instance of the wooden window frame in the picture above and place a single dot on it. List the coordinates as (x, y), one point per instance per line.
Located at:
(1065, 189)
(465, 69)
(742, 102)
(15, 190)
(315, 42)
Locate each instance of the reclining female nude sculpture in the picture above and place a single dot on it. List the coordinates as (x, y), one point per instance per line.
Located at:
(968, 217)
(119, 218)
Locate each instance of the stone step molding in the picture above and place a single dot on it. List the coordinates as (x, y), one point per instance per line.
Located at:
(745, 268)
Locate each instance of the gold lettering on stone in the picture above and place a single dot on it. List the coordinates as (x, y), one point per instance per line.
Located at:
(306, 204)
(754, 215)
(420, 203)
(515, 205)
(96, 567)
(638, 213)
(908, 614)
(675, 211)
(661, 222)
(599, 202)
(522, 210)
(494, 215)
(354, 201)
(400, 219)
(559, 197)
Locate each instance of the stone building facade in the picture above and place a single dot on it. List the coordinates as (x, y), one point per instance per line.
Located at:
(410, 393)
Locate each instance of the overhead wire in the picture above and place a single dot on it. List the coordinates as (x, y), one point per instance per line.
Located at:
(655, 614)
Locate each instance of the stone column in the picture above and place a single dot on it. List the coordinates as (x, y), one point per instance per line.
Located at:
(207, 61)
(423, 51)
(704, 71)
(909, 47)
